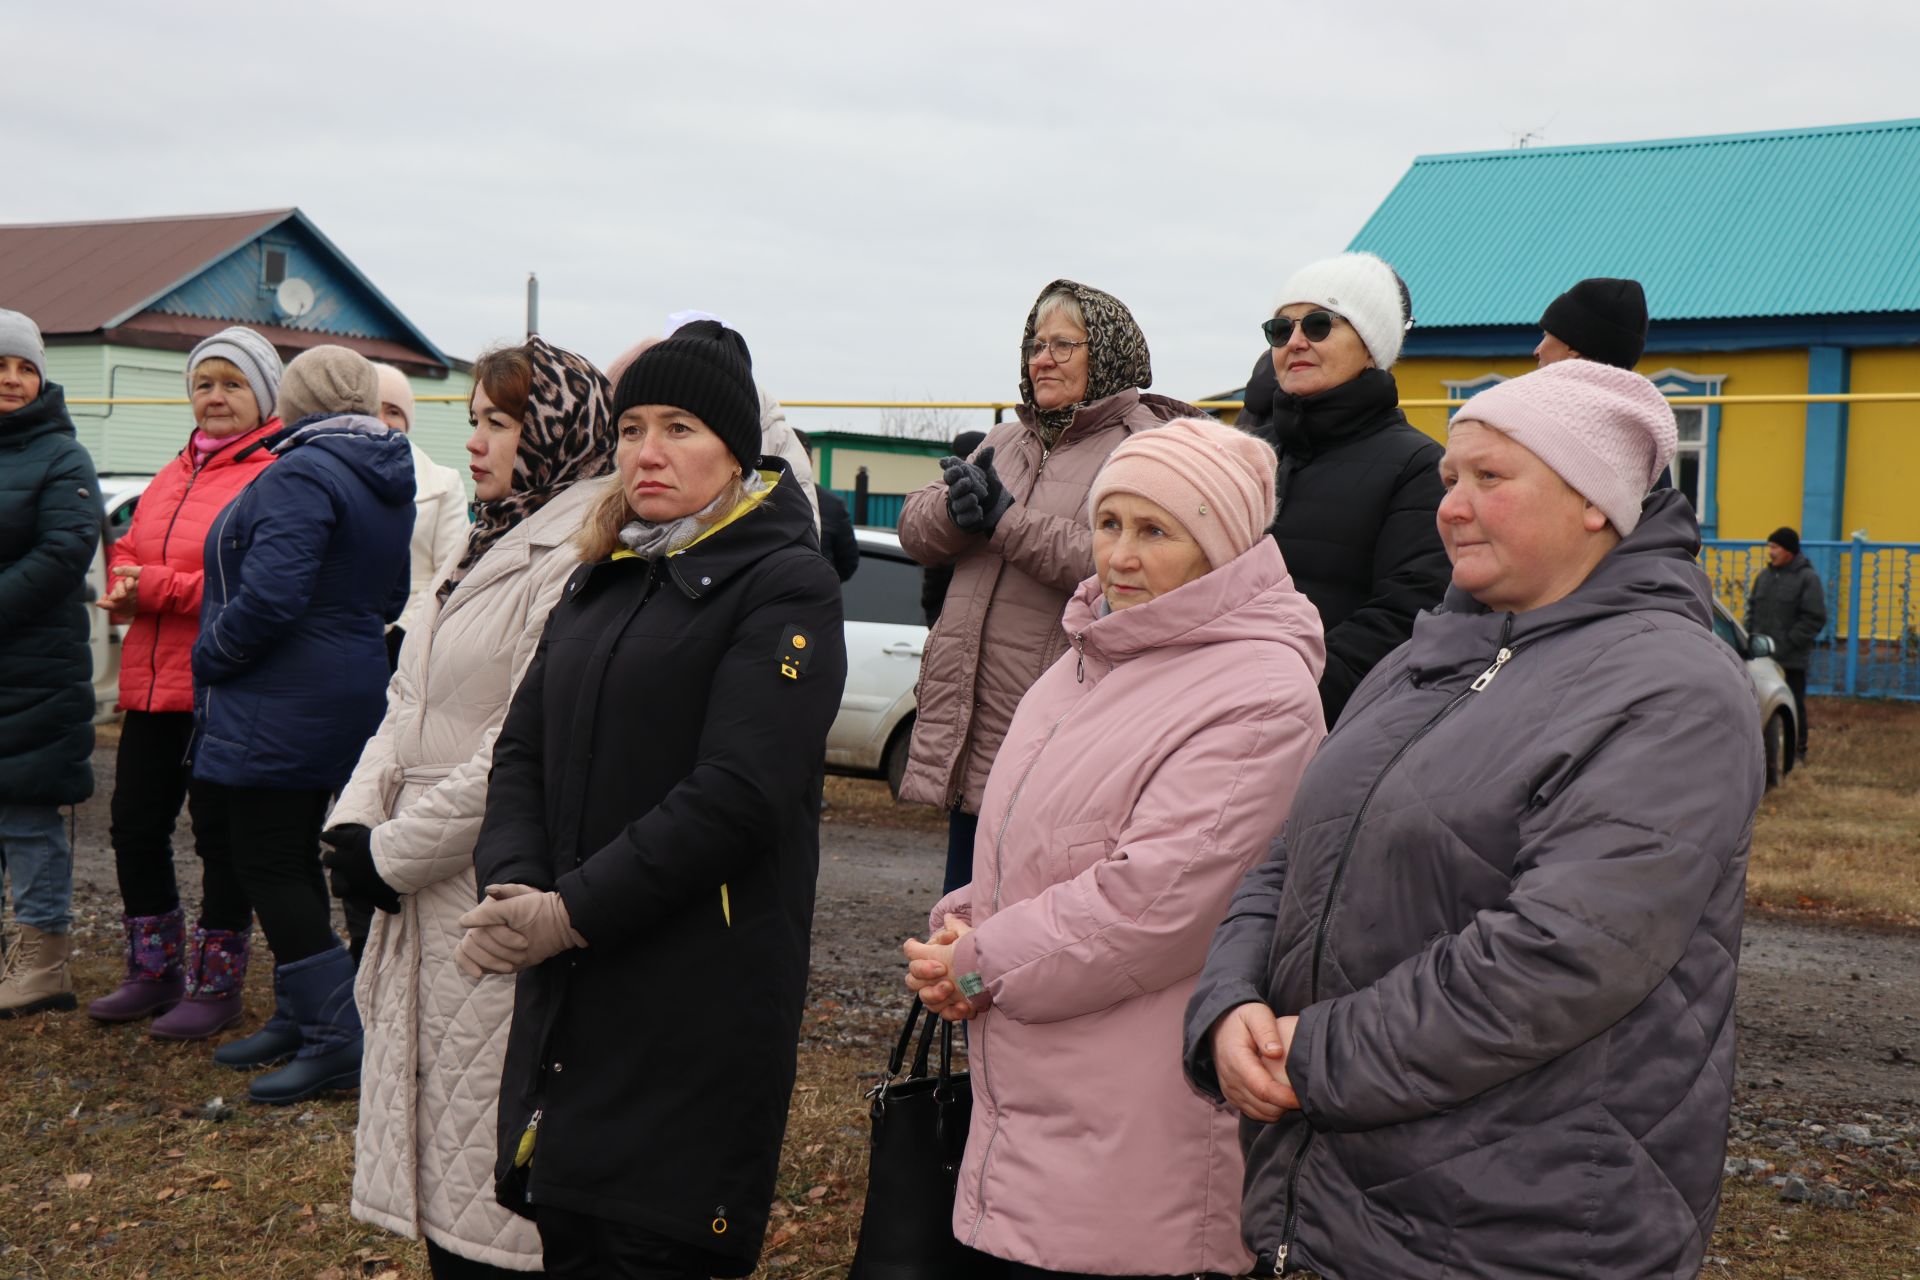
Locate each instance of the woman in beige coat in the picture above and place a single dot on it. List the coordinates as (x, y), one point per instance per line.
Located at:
(1012, 521)
(405, 826)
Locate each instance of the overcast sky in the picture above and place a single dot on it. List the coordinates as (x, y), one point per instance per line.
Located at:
(872, 194)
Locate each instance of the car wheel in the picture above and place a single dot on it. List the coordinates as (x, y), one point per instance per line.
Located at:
(1775, 739)
(896, 757)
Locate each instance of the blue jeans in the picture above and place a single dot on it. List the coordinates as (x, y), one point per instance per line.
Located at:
(39, 860)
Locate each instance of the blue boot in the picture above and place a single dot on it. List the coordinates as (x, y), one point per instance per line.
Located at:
(271, 1044)
(320, 989)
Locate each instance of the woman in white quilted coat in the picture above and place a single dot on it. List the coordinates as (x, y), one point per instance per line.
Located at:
(403, 831)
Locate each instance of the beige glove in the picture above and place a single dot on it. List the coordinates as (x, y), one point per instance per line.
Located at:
(516, 928)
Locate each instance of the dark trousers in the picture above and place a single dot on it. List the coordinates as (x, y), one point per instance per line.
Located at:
(1797, 681)
(961, 829)
(451, 1266)
(151, 779)
(270, 837)
(582, 1247)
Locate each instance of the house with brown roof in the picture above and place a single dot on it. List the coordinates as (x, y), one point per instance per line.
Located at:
(122, 302)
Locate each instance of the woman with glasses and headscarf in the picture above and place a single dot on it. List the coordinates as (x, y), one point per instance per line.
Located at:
(1358, 483)
(1012, 521)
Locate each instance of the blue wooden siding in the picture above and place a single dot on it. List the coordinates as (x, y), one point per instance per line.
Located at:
(233, 289)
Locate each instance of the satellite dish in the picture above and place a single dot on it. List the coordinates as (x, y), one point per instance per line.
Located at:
(294, 297)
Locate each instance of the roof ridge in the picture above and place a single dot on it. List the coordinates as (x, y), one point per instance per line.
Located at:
(168, 217)
(1662, 144)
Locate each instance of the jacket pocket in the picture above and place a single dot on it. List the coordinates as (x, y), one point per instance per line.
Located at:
(1073, 848)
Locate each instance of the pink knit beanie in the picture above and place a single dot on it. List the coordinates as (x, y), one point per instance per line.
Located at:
(1607, 432)
(1214, 479)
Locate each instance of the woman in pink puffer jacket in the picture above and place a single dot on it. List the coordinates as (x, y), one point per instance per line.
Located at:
(1143, 773)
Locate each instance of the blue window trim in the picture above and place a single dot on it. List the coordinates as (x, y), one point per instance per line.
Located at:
(1679, 382)
(1468, 388)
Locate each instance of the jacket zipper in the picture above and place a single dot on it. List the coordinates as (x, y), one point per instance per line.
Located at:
(977, 1052)
(166, 540)
(1080, 665)
(1321, 930)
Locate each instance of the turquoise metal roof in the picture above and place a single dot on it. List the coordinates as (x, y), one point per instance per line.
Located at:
(1804, 222)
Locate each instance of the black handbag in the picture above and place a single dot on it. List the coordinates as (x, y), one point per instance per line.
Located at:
(919, 1136)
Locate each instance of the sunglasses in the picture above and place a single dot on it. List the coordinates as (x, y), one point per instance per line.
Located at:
(1316, 325)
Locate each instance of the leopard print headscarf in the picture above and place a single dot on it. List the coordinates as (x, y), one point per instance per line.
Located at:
(1116, 354)
(566, 436)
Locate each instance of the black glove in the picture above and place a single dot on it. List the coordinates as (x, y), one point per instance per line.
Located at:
(350, 870)
(975, 497)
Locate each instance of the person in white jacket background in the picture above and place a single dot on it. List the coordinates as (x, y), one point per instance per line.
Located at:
(403, 832)
(439, 509)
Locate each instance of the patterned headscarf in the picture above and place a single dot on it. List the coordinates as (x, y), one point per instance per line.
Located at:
(566, 435)
(1117, 356)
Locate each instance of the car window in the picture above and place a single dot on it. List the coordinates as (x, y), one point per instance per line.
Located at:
(886, 589)
(1723, 627)
(120, 519)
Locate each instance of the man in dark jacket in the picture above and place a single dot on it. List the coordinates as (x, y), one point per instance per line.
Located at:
(1358, 484)
(49, 528)
(836, 526)
(1788, 606)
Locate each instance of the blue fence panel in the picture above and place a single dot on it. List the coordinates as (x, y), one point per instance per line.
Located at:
(883, 509)
(1870, 647)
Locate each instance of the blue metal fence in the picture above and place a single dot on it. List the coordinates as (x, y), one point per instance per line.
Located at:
(1870, 647)
(883, 509)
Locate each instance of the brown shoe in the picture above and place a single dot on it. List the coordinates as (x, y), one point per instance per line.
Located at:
(36, 974)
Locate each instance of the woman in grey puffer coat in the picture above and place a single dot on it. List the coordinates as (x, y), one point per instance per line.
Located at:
(1501, 927)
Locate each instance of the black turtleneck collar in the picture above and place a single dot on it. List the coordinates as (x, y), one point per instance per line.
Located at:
(1303, 426)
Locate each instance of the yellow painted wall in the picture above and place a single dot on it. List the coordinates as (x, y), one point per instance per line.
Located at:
(886, 472)
(1762, 447)
(1883, 449)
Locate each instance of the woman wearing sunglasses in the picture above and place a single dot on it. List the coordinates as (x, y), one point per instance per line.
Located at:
(1358, 485)
(1012, 521)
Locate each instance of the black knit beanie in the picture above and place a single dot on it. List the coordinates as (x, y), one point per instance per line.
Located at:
(1603, 319)
(1785, 538)
(705, 369)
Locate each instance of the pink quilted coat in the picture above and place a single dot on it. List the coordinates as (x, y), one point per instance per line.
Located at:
(1143, 773)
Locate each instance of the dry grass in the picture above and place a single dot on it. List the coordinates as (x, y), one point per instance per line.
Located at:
(865, 802)
(1841, 836)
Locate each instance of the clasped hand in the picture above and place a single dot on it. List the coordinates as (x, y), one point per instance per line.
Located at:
(930, 971)
(515, 928)
(123, 593)
(975, 497)
(1250, 1048)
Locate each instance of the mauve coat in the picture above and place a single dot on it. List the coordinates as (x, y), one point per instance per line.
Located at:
(1143, 773)
(1507, 910)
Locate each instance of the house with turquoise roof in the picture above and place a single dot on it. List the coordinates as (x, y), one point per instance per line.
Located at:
(1774, 264)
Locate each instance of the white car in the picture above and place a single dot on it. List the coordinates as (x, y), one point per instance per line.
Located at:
(1779, 713)
(885, 636)
(120, 494)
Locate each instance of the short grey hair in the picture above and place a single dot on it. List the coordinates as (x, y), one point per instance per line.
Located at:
(1063, 302)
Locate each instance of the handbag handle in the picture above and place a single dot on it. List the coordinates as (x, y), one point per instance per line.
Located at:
(923, 1052)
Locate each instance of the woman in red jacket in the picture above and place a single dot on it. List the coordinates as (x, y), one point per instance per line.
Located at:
(233, 379)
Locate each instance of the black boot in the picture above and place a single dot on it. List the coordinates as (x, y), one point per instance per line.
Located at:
(320, 989)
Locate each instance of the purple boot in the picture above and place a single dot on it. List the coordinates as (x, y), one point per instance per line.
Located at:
(153, 983)
(214, 978)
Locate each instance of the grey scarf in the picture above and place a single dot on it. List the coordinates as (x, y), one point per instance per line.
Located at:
(652, 541)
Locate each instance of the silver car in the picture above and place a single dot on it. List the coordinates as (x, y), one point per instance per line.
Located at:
(1779, 713)
(886, 634)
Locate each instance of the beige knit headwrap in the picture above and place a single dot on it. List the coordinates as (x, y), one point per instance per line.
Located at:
(329, 380)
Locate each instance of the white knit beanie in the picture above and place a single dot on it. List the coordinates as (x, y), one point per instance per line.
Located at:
(1361, 289)
(1607, 432)
(252, 355)
(20, 336)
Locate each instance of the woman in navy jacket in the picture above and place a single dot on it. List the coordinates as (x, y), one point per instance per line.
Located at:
(304, 571)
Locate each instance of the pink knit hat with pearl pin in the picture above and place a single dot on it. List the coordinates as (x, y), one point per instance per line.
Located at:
(1607, 432)
(1214, 479)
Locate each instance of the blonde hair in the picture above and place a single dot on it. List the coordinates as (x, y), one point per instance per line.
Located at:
(219, 367)
(599, 535)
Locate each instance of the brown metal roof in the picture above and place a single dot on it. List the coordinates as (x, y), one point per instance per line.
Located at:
(80, 277)
(157, 329)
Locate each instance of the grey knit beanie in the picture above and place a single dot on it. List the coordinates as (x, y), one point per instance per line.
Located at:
(329, 380)
(20, 336)
(252, 355)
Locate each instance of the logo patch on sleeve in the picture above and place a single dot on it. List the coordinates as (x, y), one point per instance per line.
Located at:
(796, 646)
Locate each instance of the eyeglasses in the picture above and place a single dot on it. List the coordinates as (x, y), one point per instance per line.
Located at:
(1316, 325)
(1059, 348)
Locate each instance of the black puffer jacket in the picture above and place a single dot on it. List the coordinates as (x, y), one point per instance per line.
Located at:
(1358, 489)
(1787, 606)
(50, 517)
(1507, 910)
(660, 767)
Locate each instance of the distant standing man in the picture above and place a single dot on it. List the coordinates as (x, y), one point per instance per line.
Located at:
(1601, 319)
(439, 510)
(1789, 607)
(49, 527)
(837, 542)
